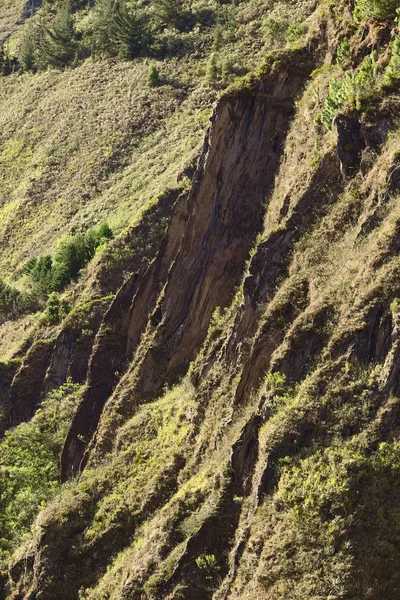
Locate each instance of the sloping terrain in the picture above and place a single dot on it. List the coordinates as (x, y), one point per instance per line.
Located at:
(220, 398)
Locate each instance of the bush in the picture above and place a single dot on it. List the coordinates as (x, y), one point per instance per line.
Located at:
(339, 91)
(275, 32)
(392, 73)
(153, 78)
(58, 45)
(228, 69)
(385, 10)
(13, 303)
(343, 52)
(49, 274)
(40, 271)
(29, 46)
(295, 31)
(49, 42)
(212, 70)
(29, 464)
(7, 64)
(208, 563)
(56, 310)
(170, 13)
(354, 86)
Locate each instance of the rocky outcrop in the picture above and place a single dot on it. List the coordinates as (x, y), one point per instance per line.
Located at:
(27, 386)
(350, 144)
(74, 343)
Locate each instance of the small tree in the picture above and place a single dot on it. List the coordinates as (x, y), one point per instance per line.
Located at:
(6, 63)
(52, 313)
(169, 13)
(58, 46)
(118, 30)
(212, 69)
(40, 273)
(392, 73)
(275, 32)
(228, 68)
(29, 46)
(153, 77)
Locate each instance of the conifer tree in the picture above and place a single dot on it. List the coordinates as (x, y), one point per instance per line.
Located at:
(57, 47)
(118, 30)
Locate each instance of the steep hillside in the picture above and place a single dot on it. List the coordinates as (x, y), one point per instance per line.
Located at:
(207, 407)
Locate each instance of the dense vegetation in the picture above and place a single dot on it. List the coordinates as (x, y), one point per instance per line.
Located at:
(29, 472)
(63, 34)
(47, 274)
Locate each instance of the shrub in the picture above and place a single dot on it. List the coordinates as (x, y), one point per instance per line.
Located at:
(207, 563)
(49, 41)
(295, 31)
(339, 92)
(7, 64)
(153, 77)
(29, 464)
(275, 31)
(392, 73)
(9, 298)
(56, 310)
(169, 13)
(29, 46)
(355, 86)
(58, 44)
(13, 303)
(343, 52)
(385, 10)
(40, 271)
(228, 68)
(49, 274)
(72, 255)
(212, 70)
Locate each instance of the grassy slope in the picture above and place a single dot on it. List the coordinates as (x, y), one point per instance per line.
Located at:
(329, 528)
(84, 145)
(95, 142)
(11, 13)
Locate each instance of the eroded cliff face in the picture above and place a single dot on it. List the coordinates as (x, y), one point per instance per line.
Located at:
(250, 451)
(202, 258)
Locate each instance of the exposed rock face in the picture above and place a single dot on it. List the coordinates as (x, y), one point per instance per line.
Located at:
(211, 232)
(27, 385)
(73, 347)
(107, 364)
(7, 374)
(350, 144)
